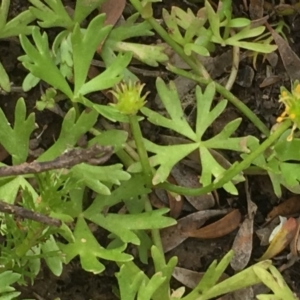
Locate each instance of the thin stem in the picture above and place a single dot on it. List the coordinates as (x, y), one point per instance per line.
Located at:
(198, 68)
(143, 155)
(233, 171)
(228, 95)
(154, 232)
(147, 170)
(234, 67)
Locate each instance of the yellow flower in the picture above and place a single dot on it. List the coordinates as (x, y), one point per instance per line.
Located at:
(291, 101)
(128, 96)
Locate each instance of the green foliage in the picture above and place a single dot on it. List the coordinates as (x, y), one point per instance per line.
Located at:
(200, 38)
(16, 140)
(66, 194)
(7, 292)
(167, 156)
(134, 284)
(14, 27)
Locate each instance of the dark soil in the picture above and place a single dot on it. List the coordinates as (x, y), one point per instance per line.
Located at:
(193, 254)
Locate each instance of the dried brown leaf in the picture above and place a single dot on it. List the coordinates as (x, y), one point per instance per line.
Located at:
(156, 201)
(286, 208)
(175, 235)
(289, 58)
(187, 177)
(219, 228)
(256, 9)
(113, 10)
(242, 246)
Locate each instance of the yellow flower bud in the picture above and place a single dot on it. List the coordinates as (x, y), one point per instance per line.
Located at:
(291, 102)
(128, 96)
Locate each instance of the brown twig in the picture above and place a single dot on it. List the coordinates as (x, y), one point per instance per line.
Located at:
(65, 161)
(28, 214)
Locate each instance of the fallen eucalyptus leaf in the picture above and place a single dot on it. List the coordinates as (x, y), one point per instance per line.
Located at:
(219, 228)
(175, 235)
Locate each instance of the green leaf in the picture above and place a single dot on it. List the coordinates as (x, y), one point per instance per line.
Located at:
(4, 79)
(7, 278)
(174, 32)
(238, 22)
(145, 243)
(193, 29)
(64, 55)
(85, 43)
(74, 206)
(34, 261)
(129, 280)
(257, 47)
(66, 233)
(108, 57)
(224, 141)
(171, 102)
(128, 30)
(290, 177)
(205, 116)
(287, 150)
(246, 33)
(132, 188)
(238, 281)
(84, 8)
(214, 22)
(78, 127)
(93, 176)
(52, 256)
(16, 140)
(3, 13)
(124, 225)
(151, 55)
(109, 112)
(115, 138)
(166, 270)
(213, 273)
(146, 290)
(39, 62)
(274, 281)
(109, 77)
(89, 249)
(9, 189)
(53, 15)
(29, 82)
(186, 18)
(210, 167)
(18, 25)
(9, 296)
(166, 157)
(189, 48)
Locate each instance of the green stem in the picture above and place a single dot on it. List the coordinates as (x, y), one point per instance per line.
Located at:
(235, 65)
(147, 170)
(154, 232)
(143, 155)
(233, 171)
(228, 95)
(198, 68)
